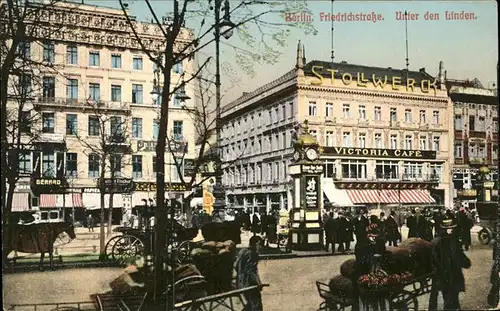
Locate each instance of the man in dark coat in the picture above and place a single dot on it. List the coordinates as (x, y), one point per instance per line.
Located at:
(422, 225)
(448, 260)
(330, 228)
(342, 233)
(360, 223)
(248, 274)
(438, 218)
(465, 225)
(411, 223)
(350, 231)
(255, 224)
(391, 229)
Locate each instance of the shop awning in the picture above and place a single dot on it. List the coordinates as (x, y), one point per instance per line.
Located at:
(117, 200)
(69, 200)
(93, 200)
(195, 202)
(337, 197)
(386, 196)
(20, 202)
(48, 201)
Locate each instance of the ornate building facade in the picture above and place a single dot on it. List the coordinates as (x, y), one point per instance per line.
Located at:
(99, 93)
(476, 135)
(385, 135)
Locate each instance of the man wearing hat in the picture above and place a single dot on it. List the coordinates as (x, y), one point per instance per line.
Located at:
(343, 233)
(448, 261)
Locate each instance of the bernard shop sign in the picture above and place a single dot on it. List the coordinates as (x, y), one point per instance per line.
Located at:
(379, 153)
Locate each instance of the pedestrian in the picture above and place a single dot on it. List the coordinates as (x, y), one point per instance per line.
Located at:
(391, 229)
(360, 223)
(330, 229)
(438, 218)
(255, 224)
(248, 274)
(350, 231)
(90, 223)
(342, 234)
(465, 225)
(494, 293)
(370, 253)
(272, 228)
(448, 259)
(421, 225)
(411, 224)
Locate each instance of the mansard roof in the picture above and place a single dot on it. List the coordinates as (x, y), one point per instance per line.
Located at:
(474, 98)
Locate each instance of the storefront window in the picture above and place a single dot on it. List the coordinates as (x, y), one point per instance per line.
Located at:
(413, 170)
(387, 170)
(329, 170)
(353, 169)
(48, 165)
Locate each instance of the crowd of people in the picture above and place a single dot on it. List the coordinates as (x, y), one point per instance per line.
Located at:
(342, 228)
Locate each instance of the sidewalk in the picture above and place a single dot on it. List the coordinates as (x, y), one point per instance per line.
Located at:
(87, 244)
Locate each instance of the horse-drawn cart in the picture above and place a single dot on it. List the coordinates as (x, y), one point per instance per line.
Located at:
(401, 297)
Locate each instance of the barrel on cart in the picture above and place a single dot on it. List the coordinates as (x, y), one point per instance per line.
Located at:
(222, 231)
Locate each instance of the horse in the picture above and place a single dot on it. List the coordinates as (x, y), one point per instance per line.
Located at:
(35, 238)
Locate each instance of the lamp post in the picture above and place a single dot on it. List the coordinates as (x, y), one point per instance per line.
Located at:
(223, 28)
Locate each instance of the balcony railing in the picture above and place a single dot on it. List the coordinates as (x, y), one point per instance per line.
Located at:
(478, 160)
(81, 103)
(477, 134)
(431, 178)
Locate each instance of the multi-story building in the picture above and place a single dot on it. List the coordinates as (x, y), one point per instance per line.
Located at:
(102, 75)
(476, 135)
(385, 135)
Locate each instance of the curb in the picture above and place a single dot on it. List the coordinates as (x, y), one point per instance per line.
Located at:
(23, 268)
(299, 255)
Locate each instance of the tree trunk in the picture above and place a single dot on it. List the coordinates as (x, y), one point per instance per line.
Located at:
(10, 196)
(110, 211)
(102, 237)
(161, 213)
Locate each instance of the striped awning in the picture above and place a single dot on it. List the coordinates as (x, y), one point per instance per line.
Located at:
(48, 200)
(385, 196)
(69, 200)
(20, 202)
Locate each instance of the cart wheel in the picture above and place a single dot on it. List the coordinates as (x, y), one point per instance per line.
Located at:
(108, 250)
(484, 237)
(184, 251)
(127, 248)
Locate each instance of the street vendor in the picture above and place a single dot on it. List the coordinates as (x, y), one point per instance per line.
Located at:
(448, 261)
(248, 274)
(365, 251)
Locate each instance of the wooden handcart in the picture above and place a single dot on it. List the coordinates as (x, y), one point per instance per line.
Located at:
(402, 297)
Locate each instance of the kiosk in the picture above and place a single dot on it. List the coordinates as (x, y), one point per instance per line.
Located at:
(306, 170)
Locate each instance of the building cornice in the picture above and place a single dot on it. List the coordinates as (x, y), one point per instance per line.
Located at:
(374, 93)
(260, 93)
(74, 24)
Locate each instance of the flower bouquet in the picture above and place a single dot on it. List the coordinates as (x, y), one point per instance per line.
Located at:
(381, 281)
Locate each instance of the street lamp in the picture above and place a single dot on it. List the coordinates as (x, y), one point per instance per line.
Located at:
(223, 28)
(155, 93)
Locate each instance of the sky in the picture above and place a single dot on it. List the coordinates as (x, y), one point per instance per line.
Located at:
(468, 48)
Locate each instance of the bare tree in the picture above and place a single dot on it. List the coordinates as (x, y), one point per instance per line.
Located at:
(108, 146)
(182, 44)
(21, 32)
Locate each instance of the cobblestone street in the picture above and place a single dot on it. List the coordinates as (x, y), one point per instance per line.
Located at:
(292, 282)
